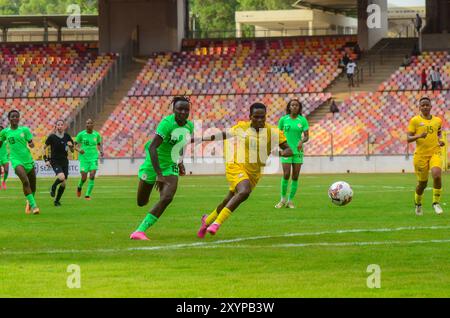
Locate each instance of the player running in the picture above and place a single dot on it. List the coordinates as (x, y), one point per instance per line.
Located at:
(88, 143)
(162, 166)
(425, 130)
(295, 128)
(253, 142)
(4, 164)
(19, 138)
(59, 142)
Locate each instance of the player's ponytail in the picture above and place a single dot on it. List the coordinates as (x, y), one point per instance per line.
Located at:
(177, 99)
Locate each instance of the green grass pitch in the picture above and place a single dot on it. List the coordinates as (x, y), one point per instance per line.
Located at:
(315, 250)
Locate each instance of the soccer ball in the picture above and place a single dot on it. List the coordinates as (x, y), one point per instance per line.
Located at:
(340, 193)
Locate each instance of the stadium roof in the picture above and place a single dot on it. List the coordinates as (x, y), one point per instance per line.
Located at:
(348, 7)
(60, 20)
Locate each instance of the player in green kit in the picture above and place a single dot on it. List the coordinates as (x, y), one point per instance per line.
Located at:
(19, 138)
(88, 143)
(163, 163)
(4, 164)
(295, 128)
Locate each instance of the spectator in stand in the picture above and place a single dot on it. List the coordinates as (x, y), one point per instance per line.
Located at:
(289, 69)
(423, 79)
(439, 81)
(434, 77)
(351, 67)
(333, 107)
(345, 59)
(406, 61)
(418, 23)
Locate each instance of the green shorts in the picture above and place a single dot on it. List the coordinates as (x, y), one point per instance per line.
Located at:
(298, 158)
(27, 166)
(148, 174)
(88, 166)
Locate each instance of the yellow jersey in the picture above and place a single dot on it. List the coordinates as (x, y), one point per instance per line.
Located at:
(250, 148)
(430, 144)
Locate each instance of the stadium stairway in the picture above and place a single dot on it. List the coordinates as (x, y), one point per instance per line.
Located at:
(120, 92)
(387, 55)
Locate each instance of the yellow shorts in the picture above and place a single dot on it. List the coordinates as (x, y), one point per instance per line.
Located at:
(236, 173)
(423, 164)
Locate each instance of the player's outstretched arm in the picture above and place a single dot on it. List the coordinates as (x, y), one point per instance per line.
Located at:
(223, 134)
(285, 151)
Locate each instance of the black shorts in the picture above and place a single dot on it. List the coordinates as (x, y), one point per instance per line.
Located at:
(60, 167)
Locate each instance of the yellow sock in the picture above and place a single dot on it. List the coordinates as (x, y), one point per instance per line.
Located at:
(212, 217)
(223, 216)
(437, 195)
(418, 198)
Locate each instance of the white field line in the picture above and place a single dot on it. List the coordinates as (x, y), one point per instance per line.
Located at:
(251, 238)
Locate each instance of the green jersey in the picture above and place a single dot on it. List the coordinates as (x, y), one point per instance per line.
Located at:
(89, 143)
(174, 139)
(18, 140)
(293, 129)
(3, 153)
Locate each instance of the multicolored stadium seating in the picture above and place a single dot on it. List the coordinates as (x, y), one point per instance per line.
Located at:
(40, 114)
(382, 116)
(244, 67)
(409, 77)
(51, 70)
(133, 122)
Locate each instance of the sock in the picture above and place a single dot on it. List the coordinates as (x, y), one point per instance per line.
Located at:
(284, 187)
(212, 217)
(418, 198)
(5, 176)
(90, 187)
(437, 195)
(294, 186)
(55, 184)
(31, 201)
(81, 183)
(149, 220)
(60, 193)
(223, 216)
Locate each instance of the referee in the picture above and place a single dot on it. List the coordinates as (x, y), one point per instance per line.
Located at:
(59, 142)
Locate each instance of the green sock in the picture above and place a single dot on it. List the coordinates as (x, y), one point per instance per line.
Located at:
(149, 220)
(294, 186)
(81, 183)
(284, 187)
(90, 187)
(31, 201)
(5, 176)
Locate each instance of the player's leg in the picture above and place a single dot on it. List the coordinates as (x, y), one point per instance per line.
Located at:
(5, 175)
(26, 186)
(284, 183)
(62, 186)
(241, 193)
(296, 167)
(143, 193)
(436, 173)
(91, 184)
(82, 181)
(421, 169)
(207, 220)
(167, 193)
(60, 178)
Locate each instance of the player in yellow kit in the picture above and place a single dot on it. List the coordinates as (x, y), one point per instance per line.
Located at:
(425, 130)
(247, 152)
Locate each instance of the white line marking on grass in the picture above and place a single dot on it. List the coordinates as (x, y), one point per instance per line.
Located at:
(251, 238)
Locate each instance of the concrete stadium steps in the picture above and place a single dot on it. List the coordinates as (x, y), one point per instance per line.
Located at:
(122, 91)
(392, 52)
